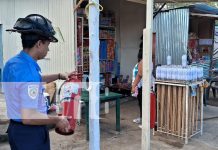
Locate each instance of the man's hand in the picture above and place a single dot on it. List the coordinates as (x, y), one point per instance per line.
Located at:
(133, 90)
(63, 124)
(66, 75)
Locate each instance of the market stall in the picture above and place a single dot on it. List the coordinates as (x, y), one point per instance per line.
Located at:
(185, 52)
(187, 30)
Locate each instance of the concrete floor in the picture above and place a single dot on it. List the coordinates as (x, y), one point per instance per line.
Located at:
(130, 136)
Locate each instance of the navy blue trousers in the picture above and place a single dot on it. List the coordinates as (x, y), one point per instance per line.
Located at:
(28, 137)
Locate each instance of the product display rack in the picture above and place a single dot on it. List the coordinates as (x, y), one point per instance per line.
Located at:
(107, 32)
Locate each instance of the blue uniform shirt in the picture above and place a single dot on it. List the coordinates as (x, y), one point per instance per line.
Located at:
(22, 85)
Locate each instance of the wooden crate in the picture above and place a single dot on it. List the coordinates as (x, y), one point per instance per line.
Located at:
(178, 113)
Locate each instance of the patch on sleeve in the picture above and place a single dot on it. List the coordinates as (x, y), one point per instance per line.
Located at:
(33, 91)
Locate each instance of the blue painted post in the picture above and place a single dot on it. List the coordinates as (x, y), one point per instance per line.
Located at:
(94, 130)
(1, 57)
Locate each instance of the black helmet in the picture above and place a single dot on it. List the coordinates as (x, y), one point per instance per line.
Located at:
(36, 24)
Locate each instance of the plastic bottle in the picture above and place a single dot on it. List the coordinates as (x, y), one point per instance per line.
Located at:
(173, 72)
(158, 71)
(184, 60)
(106, 91)
(199, 73)
(202, 72)
(169, 60)
(167, 73)
(170, 73)
(179, 73)
(183, 74)
(162, 73)
(136, 92)
(106, 107)
(194, 74)
(189, 74)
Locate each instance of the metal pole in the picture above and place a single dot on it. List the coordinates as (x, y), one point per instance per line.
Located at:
(202, 95)
(94, 130)
(147, 58)
(186, 114)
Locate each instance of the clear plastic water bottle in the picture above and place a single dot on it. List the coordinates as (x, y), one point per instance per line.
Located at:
(163, 73)
(136, 92)
(202, 72)
(184, 60)
(106, 91)
(189, 74)
(179, 75)
(173, 72)
(198, 73)
(169, 60)
(186, 74)
(169, 74)
(158, 73)
(183, 75)
(194, 74)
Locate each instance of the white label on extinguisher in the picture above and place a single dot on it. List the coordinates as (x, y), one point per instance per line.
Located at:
(69, 89)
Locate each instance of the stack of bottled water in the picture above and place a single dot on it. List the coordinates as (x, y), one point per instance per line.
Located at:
(179, 73)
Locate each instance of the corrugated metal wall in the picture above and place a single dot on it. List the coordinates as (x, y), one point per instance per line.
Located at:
(60, 12)
(171, 29)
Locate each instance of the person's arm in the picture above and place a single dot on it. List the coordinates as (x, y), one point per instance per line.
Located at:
(138, 77)
(50, 78)
(33, 117)
(140, 68)
(30, 94)
(53, 77)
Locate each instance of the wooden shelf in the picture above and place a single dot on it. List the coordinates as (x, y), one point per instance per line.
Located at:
(101, 26)
(106, 59)
(108, 31)
(86, 38)
(107, 38)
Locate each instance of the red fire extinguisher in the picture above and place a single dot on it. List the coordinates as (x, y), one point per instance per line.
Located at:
(69, 96)
(152, 110)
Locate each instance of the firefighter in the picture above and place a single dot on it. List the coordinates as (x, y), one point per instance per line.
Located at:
(26, 106)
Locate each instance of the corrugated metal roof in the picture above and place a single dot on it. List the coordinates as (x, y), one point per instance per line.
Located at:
(203, 8)
(171, 29)
(172, 1)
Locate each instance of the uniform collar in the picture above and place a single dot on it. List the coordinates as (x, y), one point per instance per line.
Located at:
(30, 59)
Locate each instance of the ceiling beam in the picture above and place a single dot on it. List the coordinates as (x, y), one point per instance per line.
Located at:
(204, 15)
(171, 1)
(137, 1)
